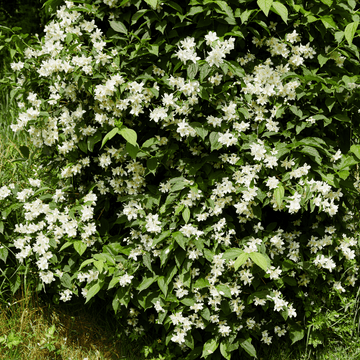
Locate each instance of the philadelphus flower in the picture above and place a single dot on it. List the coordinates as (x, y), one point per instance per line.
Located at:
(336, 156)
(294, 205)
(272, 182)
(125, 279)
(219, 50)
(4, 192)
(187, 50)
(258, 150)
(152, 223)
(227, 139)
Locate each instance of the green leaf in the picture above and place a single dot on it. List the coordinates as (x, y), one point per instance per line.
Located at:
(132, 150)
(248, 346)
(224, 351)
(347, 161)
(281, 10)
(4, 253)
(80, 247)
(232, 253)
(66, 281)
(67, 244)
(200, 130)
(118, 26)
(204, 71)
(152, 3)
(162, 285)
(151, 164)
(154, 49)
(192, 70)
(157, 239)
(350, 31)
(296, 111)
(174, 6)
(186, 215)
(15, 282)
(129, 135)
(322, 59)
(308, 150)
(105, 257)
(241, 260)
(189, 341)
(180, 239)
(265, 5)
(188, 301)
(328, 21)
(296, 333)
(194, 354)
(99, 265)
(83, 146)
(201, 283)
(279, 195)
(86, 262)
(327, 2)
(355, 149)
(93, 291)
(224, 289)
(259, 259)
(285, 314)
(160, 26)
(342, 117)
(195, 10)
(290, 281)
(138, 15)
(179, 184)
(109, 136)
(244, 16)
(24, 151)
(209, 347)
(228, 11)
(114, 281)
(146, 283)
(214, 141)
(92, 140)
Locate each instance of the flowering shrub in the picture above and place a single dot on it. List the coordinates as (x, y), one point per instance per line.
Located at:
(200, 164)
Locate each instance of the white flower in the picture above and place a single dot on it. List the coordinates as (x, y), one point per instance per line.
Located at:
(17, 66)
(227, 139)
(4, 192)
(258, 151)
(266, 338)
(179, 337)
(159, 113)
(177, 318)
(224, 330)
(152, 223)
(211, 37)
(336, 156)
(65, 295)
(158, 307)
(24, 195)
(272, 182)
(274, 272)
(125, 279)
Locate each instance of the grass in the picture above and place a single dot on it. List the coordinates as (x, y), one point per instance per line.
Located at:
(32, 327)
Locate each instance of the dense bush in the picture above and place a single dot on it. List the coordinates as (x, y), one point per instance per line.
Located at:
(18, 20)
(198, 168)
